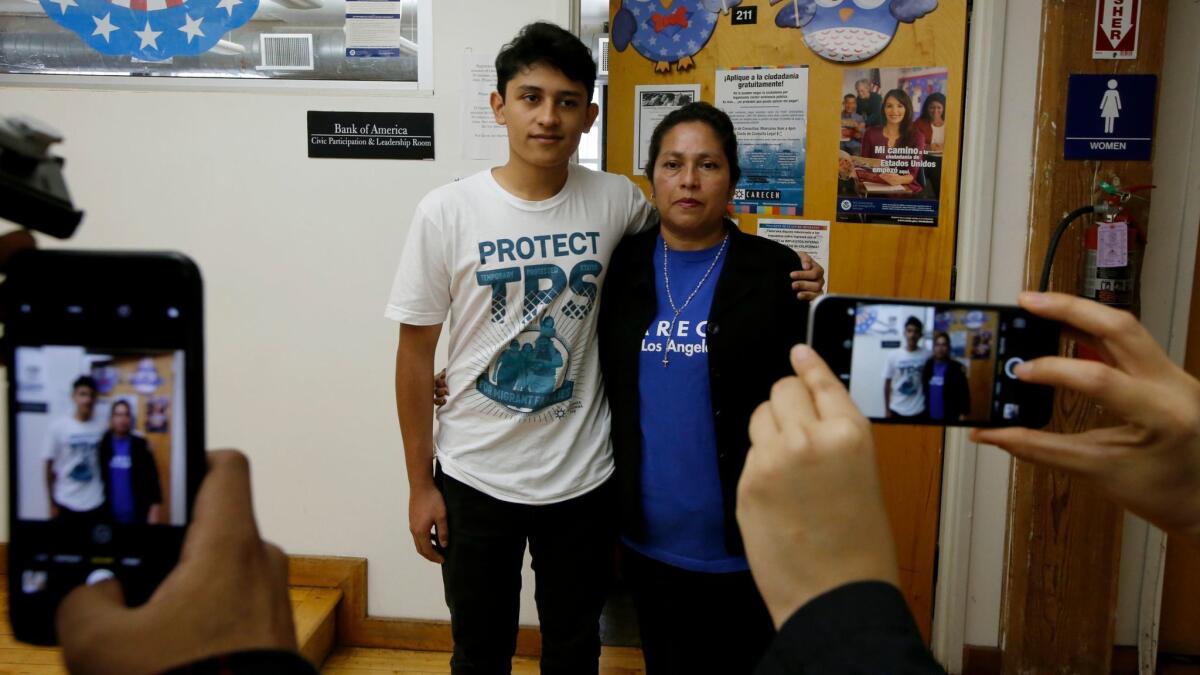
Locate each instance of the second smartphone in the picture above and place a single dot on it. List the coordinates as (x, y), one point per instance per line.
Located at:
(105, 424)
(935, 363)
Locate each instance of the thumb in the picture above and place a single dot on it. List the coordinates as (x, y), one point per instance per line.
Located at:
(100, 601)
(443, 531)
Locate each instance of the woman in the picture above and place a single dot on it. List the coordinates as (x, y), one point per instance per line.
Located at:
(894, 145)
(932, 122)
(947, 395)
(131, 490)
(932, 125)
(696, 324)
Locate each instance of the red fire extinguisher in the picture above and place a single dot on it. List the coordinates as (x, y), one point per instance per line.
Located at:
(1114, 246)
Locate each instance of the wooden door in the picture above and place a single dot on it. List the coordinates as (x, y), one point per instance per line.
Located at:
(888, 260)
(1179, 630)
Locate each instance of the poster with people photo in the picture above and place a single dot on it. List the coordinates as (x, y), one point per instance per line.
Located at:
(892, 135)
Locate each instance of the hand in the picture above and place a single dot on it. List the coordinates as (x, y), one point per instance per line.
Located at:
(1150, 464)
(935, 147)
(228, 593)
(809, 503)
(426, 520)
(53, 511)
(892, 178)
(440, 389)
(809, 281)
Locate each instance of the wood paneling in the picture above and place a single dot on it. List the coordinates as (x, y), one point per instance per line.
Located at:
(1064, 540)
(900, 261)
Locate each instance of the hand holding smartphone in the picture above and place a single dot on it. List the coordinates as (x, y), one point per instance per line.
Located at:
(106, 423)
(935, 363)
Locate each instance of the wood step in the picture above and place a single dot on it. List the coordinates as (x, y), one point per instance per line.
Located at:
(314, 611)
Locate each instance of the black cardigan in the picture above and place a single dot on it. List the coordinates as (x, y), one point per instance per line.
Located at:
(146, 490)
(754, 321)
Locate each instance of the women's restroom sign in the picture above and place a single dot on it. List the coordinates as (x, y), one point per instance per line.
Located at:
(1110, 117)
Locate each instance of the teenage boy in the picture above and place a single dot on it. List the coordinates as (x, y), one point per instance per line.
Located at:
(515, 256)
(522, 447)
(73, 482)
(903, 393)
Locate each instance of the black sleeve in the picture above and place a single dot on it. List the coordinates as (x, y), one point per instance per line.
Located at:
(863, 627)
(795, 310)
(258, 662)
(153, 491)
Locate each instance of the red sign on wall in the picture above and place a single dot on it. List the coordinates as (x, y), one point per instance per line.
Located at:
(1117, 23)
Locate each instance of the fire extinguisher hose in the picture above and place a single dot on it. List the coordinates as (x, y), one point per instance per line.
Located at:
(1044, 285)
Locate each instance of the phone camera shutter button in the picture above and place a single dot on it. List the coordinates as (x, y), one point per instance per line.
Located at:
(98, 576)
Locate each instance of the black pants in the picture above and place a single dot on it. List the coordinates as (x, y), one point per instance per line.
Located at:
(692, 622)
(81, 518)
(572, 545)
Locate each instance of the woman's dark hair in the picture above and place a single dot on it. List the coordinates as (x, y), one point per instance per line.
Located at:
(543, 42)
(906, 123)
(941, 334)
(716, 120)
(930, 99)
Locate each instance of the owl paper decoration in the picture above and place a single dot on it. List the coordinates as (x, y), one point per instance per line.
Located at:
(849, 30)
(667, 31)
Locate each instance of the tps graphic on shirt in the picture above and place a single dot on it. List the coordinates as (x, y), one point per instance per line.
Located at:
(81, 450)
(908, 380)
(535, 367)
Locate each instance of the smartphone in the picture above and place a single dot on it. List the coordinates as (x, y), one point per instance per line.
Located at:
(935, 363)
(105, 423)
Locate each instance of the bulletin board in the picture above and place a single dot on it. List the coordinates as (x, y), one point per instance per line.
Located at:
(897, 260)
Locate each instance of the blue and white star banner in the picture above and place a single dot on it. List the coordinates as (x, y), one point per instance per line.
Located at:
(151, 30)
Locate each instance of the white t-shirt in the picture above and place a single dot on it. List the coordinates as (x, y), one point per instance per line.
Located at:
(939, 135)
(71, 447)
(904, 370)
(526, 420)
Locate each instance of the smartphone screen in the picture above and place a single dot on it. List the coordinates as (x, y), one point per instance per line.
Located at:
(106, 427)
(949, 364)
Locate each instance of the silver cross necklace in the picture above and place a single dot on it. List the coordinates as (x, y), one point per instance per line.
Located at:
(679, 310)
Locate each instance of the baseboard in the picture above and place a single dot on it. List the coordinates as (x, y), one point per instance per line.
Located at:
(356, 628)
(987, 660)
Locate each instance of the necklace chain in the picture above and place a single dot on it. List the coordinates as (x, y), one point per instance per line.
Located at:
(676, 311)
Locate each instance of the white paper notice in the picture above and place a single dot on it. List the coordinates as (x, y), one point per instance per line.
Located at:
(652, 102)
(482, 137)
(810, 236)
(373, 28)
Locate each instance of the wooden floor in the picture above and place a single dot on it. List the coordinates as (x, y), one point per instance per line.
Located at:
(17, 658)
(364, 661)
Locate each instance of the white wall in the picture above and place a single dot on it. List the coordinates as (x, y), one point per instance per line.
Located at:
(298, 256)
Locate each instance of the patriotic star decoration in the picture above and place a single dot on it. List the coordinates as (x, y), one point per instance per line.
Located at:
(150, 30)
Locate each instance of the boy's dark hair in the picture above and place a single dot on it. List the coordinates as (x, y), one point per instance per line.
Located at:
(700, 111)
(853, 96)
(543, 42)
(940, 335)
(84, 381)
(914, 321)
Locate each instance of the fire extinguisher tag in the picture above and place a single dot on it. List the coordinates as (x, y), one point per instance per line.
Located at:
(1113, 245)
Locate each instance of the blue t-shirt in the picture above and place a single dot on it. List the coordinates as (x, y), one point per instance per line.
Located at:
(684, 517)
(937, 391)
(120, 472)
